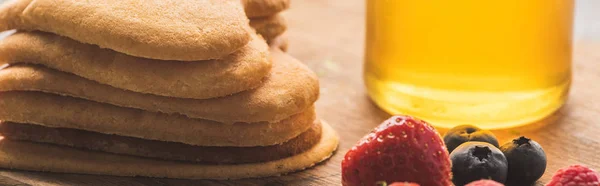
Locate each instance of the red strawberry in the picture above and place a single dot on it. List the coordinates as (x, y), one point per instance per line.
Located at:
(404, 184)
(401, 149)
(575, 175)
(485, 183)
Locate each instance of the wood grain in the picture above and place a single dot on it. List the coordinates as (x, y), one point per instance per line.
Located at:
(328, 36)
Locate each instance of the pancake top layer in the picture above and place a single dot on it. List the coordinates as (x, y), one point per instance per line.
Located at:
(159, 29)
(242, 70)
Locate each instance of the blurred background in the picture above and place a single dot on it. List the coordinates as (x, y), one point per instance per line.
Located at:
(585, 25)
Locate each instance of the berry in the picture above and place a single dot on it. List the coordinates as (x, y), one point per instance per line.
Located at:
(526, 161)
(473, 161)
(383, 183)
(404, 184)
(484, 183)
(464, 133)
(401, 149)
(575, 175)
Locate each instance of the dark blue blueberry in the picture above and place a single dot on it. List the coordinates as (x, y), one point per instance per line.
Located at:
(473, 161)
(526, 161)
(463, 133)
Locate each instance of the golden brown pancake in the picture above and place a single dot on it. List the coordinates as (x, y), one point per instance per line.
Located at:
(52, 158)
(188, 30)
(67, 112)
(245, 69)
(87, 140)
(291, 89)
(269, 27)
(264, 8)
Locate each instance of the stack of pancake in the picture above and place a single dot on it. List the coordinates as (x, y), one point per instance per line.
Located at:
(177, 89)
(265, 16)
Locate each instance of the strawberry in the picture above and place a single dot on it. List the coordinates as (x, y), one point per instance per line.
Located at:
(485, 183)
(401, 149)
(404, 184)
(383, 183)
(575, 175)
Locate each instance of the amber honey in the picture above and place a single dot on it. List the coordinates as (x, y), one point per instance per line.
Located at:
(493, 63)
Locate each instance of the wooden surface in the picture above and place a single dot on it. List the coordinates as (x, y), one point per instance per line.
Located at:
(328, 36)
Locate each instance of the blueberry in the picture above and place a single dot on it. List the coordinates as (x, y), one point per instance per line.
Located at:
(474, 161)
(463, 133)
(526, 161)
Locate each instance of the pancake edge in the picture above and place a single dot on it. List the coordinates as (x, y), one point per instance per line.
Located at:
(49, 158)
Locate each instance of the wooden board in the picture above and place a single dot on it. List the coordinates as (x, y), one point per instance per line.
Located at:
(328, 36)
